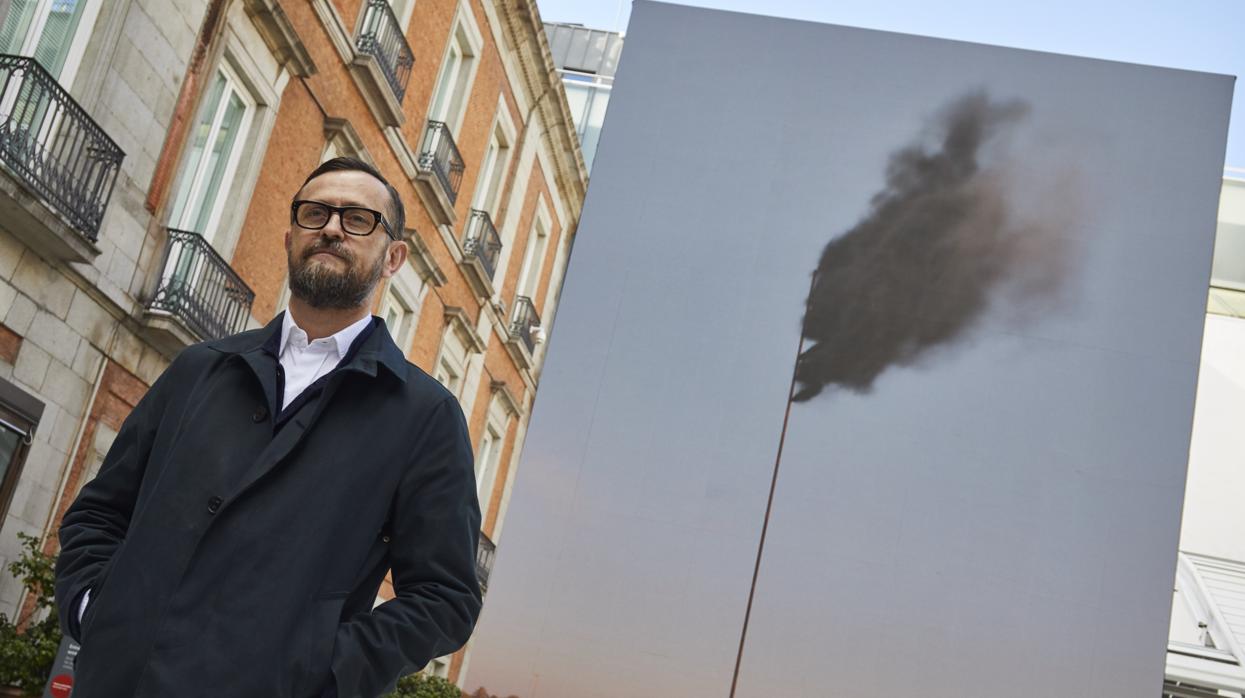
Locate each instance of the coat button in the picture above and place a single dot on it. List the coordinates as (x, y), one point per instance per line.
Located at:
(214, 504)
(261, 413)
(385, 538)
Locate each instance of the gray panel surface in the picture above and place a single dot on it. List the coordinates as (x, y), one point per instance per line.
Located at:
(983, 499)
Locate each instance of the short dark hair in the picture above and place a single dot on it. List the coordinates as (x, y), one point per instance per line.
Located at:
(397, 213)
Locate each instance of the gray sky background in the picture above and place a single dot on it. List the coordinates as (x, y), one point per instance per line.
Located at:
(1003, 513)
(1201, 35)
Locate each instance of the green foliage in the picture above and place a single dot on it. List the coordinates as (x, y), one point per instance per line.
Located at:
(26, 656)
(421, 686)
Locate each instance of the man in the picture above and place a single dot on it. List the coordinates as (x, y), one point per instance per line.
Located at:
(240, 526)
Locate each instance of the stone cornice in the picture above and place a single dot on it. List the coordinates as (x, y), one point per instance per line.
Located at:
(280, 35)
(526, 34)
(458, 319)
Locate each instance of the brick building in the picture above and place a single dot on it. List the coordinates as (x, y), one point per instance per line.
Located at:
(148, 153)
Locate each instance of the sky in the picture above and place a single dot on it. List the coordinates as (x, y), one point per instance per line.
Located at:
(1203, 35)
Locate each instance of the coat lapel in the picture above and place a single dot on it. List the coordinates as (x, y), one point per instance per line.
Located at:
(285, 440)
(260, 352)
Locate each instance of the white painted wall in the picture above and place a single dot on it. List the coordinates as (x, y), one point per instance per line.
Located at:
(1214, 516)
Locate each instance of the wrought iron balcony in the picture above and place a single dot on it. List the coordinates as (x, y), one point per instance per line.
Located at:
(199, 288)
(482, 242)
(525, 323)
(440, 156)
(485, 553)
(381, 37)
(50, 143)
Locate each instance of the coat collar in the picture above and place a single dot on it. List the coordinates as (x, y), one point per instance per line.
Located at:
(377, 348)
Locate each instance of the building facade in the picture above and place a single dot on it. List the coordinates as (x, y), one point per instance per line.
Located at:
(149, 150)
(587, 60)
(1206, 646)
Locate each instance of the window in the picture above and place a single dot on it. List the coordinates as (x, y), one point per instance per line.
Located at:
(492, 170)
(587, 100)
(342, 140)
(460, 361)
(1228, 266)
(399, 316)
(534, 256)
(438, 667)
(212, 155)
(46, 30)
(489, 457)
(494, 164)
(402, 10)
(453, 86)
(19, 415)
(400, 308)
(452, 364)
(330, 152)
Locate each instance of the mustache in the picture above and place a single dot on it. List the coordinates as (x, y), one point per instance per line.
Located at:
(331, 246)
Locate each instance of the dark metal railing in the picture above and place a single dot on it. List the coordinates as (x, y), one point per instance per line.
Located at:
(525, 322)
(440, 156)
(482, 241)
(381, 37)
(485, 552)
(199, 287)
(51, 144)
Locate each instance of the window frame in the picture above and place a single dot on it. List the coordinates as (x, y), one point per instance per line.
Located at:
(501, 132)
(471, 363)
(264, 78)
(533, 264)
(342, 140)
(464, 35)
(18, 410)
(407, 290)
(454, 355)
(496, 425)
(77, 43)
(251, 107)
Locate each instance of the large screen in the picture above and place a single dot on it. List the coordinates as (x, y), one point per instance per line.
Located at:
(873, 374)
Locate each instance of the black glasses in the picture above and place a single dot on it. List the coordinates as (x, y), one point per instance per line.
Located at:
(355, 220)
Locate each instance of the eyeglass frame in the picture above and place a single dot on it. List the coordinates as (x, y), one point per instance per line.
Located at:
(380, 218)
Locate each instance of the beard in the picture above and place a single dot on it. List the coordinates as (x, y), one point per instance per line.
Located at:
(321, 286)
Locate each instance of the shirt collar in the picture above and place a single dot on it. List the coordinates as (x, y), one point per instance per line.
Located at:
(340, 341)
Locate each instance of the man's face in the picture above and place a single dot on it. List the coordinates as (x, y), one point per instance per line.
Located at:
(328, 267)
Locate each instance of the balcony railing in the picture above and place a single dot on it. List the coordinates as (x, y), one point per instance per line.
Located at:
(53, 146)
(485, 553)
(201, 289)
(381, 37)
(482, 241)
(525, 322)
(440, 156)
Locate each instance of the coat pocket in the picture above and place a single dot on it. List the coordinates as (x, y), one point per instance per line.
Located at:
(324, 616)
(92, 604)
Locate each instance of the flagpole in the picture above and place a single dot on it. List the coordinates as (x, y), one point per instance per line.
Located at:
(769, 504)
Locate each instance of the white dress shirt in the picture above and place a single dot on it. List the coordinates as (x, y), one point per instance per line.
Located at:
(303, 363)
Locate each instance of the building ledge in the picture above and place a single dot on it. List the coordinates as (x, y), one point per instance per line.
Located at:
(519, 352)
(167, 332)
(376, 91)
(280, 36)
(434, 197)
(29, 219)
(477, 277)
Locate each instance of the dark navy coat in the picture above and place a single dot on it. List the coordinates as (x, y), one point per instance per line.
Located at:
(227, 556)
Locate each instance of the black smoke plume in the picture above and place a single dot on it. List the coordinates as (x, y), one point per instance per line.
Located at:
(923, 265)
